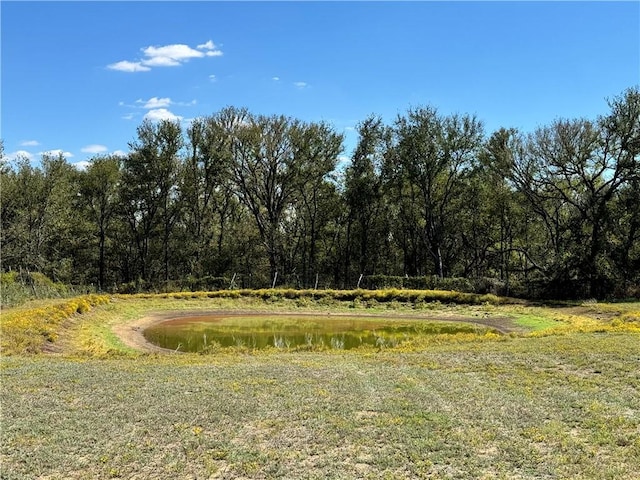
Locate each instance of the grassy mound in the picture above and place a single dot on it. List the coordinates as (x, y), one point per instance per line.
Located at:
(28, 330)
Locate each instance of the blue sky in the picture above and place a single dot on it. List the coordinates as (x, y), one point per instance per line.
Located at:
(79, 77)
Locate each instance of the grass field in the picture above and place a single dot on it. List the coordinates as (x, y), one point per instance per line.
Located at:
(560, 398)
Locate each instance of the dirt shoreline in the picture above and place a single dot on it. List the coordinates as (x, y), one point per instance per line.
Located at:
(131, 334)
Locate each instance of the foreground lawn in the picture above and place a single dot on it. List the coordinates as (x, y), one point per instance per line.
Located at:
(523, 407)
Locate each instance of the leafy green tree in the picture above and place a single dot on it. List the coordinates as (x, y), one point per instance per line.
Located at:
(406, 222)
(507, 231)
(38, 217)
(621, 138)
(570, 172)
(149, 193)
(556, 210)
(271, 158)
(363, 195)
(206, 191)
(434, 153)
(317, 147)
(625, 235)
(99, 195)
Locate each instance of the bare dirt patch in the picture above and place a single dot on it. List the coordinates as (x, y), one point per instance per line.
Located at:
(132, 336)
(590, 311)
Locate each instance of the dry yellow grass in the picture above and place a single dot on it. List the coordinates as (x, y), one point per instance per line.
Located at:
(28, 330)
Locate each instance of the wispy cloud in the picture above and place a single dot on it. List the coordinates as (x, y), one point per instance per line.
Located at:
(30, 143)
(158, 114)
(127, 66)
(18, 154)
(166, 56)
(300, 85)
(57, 152)
(155, 102)
(343, 161)
(94, 149)
(212, 78)
(207, 46)
(119, 153)
(159, 102)
(275, 79)
(157, 108)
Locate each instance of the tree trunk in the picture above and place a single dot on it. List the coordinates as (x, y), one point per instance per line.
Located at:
(101, 263)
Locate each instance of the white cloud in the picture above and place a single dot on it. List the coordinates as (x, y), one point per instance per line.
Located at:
(212, 50)
(94, 149)
(300, 84)
(12, 156)
(155, 102)
(81, 166)
(157, 109)
(126, 66)
(30, 143)
(166, 56)
(342, 163)
(174, 55)
(57, 152)
(212, 78)
(161, 114)
(169, 55)
(119, 153)
(206, 46)
(275, 79)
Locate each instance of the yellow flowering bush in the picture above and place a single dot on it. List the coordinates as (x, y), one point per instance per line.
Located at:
(27, 330)
(627, 322)
(382, 296)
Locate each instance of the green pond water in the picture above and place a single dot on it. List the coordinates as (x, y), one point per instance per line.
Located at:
(206, 332)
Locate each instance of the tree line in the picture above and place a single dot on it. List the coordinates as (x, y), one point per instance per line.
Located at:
(261, 200)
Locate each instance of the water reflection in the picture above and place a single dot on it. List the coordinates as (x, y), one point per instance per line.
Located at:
(285, 332)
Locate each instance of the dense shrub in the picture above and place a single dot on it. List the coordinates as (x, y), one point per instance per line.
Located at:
(17, 287)
(494, 286)
(415, 283)
(133, 287)
(208, 283)
(465, 285)
(376, 282)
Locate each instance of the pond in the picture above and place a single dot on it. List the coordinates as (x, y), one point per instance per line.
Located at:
(198, 333)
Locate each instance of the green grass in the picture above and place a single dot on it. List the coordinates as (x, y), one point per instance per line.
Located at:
(561, 405)
(534, 322)
(553, 407)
